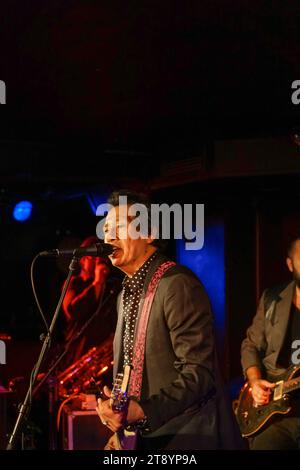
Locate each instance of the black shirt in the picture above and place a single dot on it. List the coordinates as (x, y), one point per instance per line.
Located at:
(295, 335)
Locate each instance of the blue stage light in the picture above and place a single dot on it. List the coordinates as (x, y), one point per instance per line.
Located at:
(22, 211)
(209, 265)
(95, 199)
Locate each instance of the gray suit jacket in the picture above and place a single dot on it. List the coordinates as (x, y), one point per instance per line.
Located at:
(179, 379)
(265, 337)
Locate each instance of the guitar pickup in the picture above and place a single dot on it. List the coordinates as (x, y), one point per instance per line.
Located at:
(277, 394)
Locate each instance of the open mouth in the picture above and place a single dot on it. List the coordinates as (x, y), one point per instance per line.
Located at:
(115, 251)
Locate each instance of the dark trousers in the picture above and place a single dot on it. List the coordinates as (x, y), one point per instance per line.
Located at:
(283, 434)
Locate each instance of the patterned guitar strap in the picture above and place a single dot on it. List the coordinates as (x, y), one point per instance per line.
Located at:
(136, 377)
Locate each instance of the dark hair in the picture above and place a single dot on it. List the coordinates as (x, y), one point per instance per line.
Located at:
(291, 244)
(132, 198)
(137, 198)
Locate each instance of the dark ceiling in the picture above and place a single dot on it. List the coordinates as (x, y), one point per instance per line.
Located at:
(140, 78)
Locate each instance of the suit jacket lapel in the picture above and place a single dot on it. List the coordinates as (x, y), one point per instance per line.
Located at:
(283, 308)
(159, 259)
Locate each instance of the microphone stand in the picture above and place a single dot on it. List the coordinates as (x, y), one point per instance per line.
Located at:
(25, 407)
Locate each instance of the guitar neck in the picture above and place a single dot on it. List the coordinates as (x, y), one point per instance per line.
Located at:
(291, 385)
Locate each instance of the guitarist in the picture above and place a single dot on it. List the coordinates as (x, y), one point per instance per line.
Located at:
(174, 391)
(268, 351)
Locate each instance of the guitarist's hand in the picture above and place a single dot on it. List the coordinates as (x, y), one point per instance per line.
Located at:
(112, 419)
(261, 391)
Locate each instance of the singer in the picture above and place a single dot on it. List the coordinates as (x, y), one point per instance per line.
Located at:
(165, 332)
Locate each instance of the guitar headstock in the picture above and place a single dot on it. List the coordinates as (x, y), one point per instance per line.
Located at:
(119, 396)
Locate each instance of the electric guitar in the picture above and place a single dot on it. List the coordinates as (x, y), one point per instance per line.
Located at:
(125, 439)
(252, 418)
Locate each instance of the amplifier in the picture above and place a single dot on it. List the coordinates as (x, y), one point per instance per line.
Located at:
(83, 430)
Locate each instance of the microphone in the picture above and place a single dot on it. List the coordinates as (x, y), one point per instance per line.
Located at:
(98, 249)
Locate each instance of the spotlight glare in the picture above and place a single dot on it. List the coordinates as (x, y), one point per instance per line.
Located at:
(22, 211)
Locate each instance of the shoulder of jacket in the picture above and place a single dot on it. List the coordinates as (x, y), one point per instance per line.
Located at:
(272, 294)
(178, 271)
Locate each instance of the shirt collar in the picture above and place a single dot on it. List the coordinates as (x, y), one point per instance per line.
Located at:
(137, 280)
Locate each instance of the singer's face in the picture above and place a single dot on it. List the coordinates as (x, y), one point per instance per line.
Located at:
(129, 253)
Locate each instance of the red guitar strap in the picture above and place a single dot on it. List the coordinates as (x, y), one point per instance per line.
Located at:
(136, 377)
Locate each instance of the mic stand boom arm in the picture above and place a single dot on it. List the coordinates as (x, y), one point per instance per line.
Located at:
(25, 407)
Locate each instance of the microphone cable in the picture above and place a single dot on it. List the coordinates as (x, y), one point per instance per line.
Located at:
(35, 294)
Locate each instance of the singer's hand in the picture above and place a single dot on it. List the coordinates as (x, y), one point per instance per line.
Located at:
(112, 419)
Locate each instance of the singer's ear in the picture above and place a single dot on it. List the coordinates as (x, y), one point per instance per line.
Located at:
(289, 264)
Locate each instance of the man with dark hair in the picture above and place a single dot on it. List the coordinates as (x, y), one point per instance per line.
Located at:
(270, 350)
(165, 334)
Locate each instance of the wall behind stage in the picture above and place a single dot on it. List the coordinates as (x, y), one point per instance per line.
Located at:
(208, 264)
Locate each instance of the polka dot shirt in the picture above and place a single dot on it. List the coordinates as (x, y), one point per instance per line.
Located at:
(132, 291)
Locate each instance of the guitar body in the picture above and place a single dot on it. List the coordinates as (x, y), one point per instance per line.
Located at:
(252, 418)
